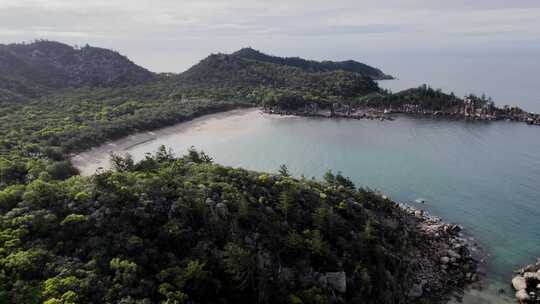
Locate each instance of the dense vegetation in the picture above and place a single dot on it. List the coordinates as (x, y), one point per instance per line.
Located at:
(42, 124)
(423, 96)
(36, 136)
(245, 75)
(42, 66)
(185, 230)
(314, 66)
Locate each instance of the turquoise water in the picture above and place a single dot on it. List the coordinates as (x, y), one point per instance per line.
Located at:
(482, 175)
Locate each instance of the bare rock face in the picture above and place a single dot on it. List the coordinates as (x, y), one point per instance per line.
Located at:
(527, 283)
(523, 296)
(445, 260)
(222, 210)
(530, 276)
(445, 263)
(519, 283)
(337, 280)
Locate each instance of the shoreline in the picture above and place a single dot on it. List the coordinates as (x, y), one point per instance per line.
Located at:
(88, 161)
(83, 158)
(526, 283)
(447, 263)
(438, 279)
(388, 114)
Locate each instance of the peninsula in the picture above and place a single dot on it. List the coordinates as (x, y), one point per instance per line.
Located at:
(421, 101)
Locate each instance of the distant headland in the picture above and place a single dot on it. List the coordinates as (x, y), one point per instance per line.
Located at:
(422, 101)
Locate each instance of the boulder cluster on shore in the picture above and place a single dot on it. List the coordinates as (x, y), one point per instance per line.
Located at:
(446, 263)
(371, 115)
(468, 111)
(527, 283)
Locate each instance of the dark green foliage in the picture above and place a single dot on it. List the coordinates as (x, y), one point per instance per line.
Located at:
(85, 118)
(314, 66)
(38, 67)
(424, 96)
(245, 75)
(169, 230)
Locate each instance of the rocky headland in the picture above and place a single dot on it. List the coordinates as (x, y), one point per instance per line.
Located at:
(423, 101)
(466, 112)
(446, 263)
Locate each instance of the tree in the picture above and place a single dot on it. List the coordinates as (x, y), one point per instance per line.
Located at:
(61, 170)
(122, 164)
(240, 264)
(284, 171)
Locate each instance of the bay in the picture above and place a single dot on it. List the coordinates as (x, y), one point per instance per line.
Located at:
(482, 175)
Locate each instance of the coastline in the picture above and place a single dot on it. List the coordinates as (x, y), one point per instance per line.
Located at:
(82, 158)
(438, 279)
(526, 283)
(446, 263)
(87, 162)
(342, 111)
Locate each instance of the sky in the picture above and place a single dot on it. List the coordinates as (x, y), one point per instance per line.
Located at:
(172, 35)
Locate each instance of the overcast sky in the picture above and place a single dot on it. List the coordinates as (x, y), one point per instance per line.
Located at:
(171, 35)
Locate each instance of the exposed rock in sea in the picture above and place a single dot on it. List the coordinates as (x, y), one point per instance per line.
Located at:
(527, 283)
(522, 295)
(519, 283)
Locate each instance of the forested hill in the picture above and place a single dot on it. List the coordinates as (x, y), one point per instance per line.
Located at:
(170, 230)
(314, 66)
(46, 116)
(42, 66)
(221, 71)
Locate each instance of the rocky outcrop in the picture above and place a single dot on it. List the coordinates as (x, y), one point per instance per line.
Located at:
(526, 283)
(335, 111)
(445, 262)
(519, 283)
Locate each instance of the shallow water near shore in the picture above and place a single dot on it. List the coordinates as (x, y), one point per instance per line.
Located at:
(482, 175)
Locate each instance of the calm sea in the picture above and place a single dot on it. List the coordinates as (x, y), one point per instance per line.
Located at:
(510, 78)
(482, 175)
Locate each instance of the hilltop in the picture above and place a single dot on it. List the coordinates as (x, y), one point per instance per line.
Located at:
(33, 70)
(314, 66)
(43, 66)
(237, 73)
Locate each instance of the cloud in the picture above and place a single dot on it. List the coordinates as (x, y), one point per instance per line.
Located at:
(156, 32)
